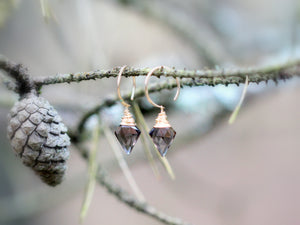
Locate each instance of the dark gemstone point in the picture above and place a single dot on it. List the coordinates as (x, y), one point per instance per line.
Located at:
(162, 138)
(127, 136)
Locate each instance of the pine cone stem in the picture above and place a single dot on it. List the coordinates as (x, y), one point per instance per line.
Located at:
(24, 84)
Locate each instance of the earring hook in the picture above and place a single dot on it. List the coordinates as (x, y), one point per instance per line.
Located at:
(146, 87)
(118, 89)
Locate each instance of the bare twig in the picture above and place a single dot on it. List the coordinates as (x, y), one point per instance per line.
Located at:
(193, 77)
(199, 77)
(211, 77)
(128, 199)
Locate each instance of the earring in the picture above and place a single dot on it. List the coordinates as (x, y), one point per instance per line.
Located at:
(127, 133)
(162, 133)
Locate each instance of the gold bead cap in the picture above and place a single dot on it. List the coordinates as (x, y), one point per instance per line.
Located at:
(127, 119)
(161, 120)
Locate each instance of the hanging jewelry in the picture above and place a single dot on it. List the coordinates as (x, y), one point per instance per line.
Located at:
(162, 133)
(127, 133)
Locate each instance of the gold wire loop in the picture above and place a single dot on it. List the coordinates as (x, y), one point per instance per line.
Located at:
(118, 89)
(146, 87)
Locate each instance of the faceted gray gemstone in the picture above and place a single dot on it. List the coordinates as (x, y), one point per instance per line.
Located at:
(127, 136)
(162, 138)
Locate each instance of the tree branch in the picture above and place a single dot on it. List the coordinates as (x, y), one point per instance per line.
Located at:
(194, 77)
(211, 78)
(200, 77)
(189, 78)
(128, 199)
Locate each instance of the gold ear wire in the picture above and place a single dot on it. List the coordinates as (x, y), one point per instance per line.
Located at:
(146, 87)
(162, 132)
(118, 85)
(127, 133)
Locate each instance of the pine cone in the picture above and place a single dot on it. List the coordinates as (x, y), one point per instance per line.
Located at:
(39, 137)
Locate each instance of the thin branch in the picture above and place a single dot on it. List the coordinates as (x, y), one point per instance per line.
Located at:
(201, 77)
(129, 200)
(191, 78)
(211, 78)
(194, 77)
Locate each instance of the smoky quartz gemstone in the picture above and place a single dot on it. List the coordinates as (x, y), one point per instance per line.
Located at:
(127, 136)
(162, 138)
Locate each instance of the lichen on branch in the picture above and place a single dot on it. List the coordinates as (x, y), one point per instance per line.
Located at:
(192, 77)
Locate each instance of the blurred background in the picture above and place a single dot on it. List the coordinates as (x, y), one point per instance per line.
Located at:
(245, 173)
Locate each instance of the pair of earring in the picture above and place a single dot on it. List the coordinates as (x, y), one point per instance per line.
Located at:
(162, 132)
